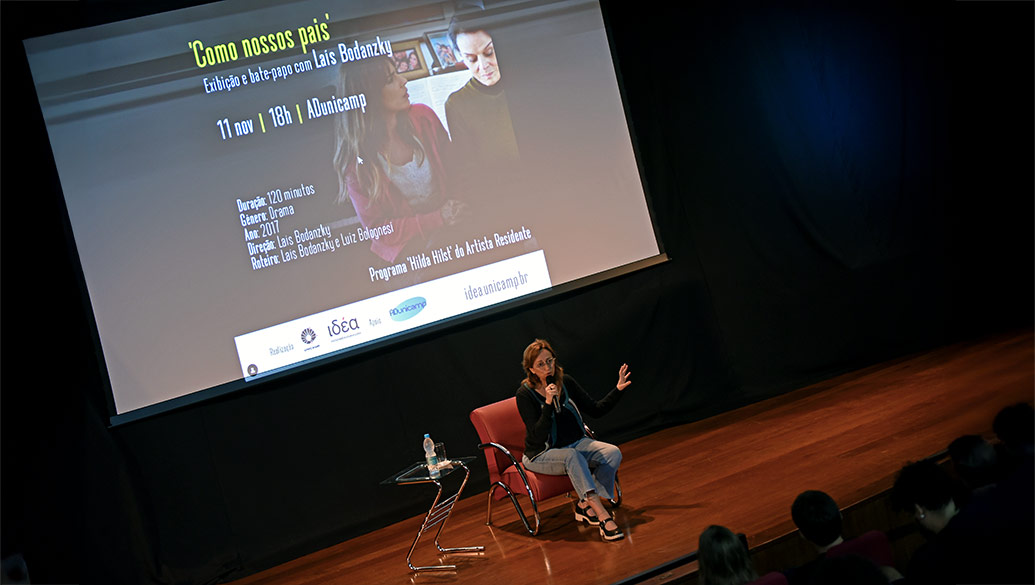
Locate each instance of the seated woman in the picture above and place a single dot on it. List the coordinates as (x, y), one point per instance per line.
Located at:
(392, 161)
(555, 437)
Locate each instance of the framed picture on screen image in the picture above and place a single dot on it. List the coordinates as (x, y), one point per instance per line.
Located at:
(444, 57)
(409, 59)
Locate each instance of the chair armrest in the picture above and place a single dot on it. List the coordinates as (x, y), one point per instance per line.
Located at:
(501, 448)
(516, 464)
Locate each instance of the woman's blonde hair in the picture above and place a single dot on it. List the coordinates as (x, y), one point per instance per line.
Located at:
(364, 135)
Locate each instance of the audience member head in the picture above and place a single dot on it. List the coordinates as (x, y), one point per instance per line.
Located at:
(849, 570)
(974, 460)
(928, 491)
(722, 558)
(1015, 427)
(818, 518)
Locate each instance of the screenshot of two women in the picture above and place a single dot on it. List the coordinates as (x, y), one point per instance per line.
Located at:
(497, 123)
(406, 129)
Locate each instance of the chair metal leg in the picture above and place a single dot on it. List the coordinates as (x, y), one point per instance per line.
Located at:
(517, 507)
(535, 510)
(488, 509)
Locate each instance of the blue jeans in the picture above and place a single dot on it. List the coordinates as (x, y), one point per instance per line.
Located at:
(590, 464)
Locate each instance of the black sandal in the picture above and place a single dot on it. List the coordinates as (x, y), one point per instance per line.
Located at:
(610, 535)
(586, 514)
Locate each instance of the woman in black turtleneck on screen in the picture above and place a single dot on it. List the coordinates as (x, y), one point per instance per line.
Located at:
(478, 117)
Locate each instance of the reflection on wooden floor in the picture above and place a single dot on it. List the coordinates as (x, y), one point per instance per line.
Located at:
(847, 436)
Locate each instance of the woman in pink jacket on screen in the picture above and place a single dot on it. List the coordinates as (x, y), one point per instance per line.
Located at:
(392, 162)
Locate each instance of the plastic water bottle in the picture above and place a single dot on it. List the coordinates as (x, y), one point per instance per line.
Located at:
(429, 454)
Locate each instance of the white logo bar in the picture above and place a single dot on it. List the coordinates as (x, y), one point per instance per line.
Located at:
(279, 346)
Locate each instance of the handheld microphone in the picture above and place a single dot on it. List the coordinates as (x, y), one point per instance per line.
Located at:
(556, 399)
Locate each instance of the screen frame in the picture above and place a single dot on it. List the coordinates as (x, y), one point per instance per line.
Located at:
(345, 356)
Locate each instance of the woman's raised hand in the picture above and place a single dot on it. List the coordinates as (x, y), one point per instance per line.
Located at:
(623, 377)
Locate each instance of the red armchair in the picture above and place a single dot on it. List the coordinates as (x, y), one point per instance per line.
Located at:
(502, 435)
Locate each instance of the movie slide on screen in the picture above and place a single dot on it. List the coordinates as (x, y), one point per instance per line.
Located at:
(252, 186)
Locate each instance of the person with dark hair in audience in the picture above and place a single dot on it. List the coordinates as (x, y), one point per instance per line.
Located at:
(1015, 428)
(722, 558)
(989, 541)
(975, 462)
(818, 520)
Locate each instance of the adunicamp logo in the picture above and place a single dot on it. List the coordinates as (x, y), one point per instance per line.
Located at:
(408, 308)
(308, 336)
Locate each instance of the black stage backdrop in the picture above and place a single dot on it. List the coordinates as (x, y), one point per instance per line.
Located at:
(836, 186)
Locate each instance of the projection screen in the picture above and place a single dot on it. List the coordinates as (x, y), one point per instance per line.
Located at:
(256, 186)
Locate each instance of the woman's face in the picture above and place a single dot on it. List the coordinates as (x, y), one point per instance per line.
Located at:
(479, 55)
(394, 96)
(544, 364)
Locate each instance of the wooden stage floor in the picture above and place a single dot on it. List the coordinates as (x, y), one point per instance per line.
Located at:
(847, 436)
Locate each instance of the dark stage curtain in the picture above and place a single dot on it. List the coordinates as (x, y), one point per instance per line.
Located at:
(836, 185)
